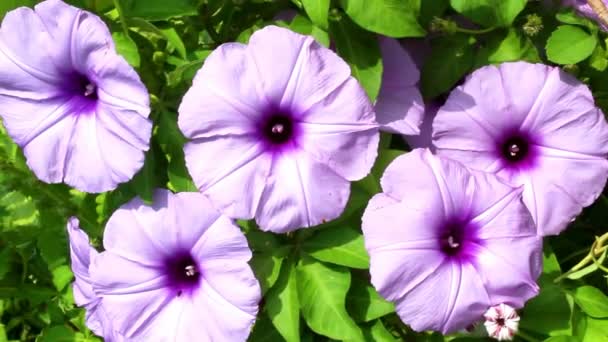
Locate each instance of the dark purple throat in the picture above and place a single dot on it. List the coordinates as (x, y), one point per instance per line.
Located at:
(183, 273)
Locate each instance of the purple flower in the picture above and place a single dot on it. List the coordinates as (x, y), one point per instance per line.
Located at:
(174, 271)
(399, 106)
(583, 8)
(82, 254)
(535, 126)
(278, 128)
(445, 243)
(77, 109)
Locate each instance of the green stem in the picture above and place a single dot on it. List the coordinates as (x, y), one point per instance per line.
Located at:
(597, 248)
(121, 15)
(469, 31)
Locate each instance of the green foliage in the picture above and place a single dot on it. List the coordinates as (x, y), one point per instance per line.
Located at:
(570, 44)
(489, 13)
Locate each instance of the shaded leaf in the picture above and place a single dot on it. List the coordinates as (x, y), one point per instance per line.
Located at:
(322, 292)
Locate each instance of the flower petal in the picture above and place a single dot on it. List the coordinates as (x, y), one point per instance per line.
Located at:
(97, 159)
(142, 233)
(80, 33)
(283, 57)
(25, 41)
(399, 106)
(223, 98)
(447, 300)
(335, 143)
(238, 163)
(132, 293)
(561, 186)
(566, 117)
(300, 192)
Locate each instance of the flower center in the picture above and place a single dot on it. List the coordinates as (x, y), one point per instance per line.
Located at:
(90, 90)
(500, 321)
(451, 242)
(515, 149)
(278, 129)
(183, 273)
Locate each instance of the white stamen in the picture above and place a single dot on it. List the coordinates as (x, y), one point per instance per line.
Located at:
(513, 150)
(278, 129)
(502, 322)
(452, 243)
(89, 89)
(191, 271)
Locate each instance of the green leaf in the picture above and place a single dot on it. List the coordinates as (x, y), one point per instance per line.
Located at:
(144, 183)
(361, 51)
(318, 12)
(154, 10)
(53, 247)
(378, 333)
(302, 25)
(5, 261)
(549, 313)
(450, 59)
(569, 16)
(9, 5)
(260, 241)
(393, 18)
(282, 304)
(266, 267)
(338, 245)
(512, 47)
(595, 330)
(127, 48)
(365, 304)
(62, 276)
(592, 301)
(322, 291)
(175, 41)
(489, 13)
(570, 44)
(264, 331)
(562, 338)
(58, 333)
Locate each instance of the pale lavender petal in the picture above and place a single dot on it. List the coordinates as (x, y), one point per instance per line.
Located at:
(81, 254)
(340, 127)
(399, 106)
(561, 187)
(223, 99)
(141, 233)
(300, 192)
(424, 139)
(238, 163)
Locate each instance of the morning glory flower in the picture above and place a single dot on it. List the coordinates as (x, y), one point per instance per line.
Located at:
(501, 322)
(278, 128)
(81, 254)
(175, 271)
(77, 109)
(591, 10)
(535, 126)
(399, 106)
(446, 243)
